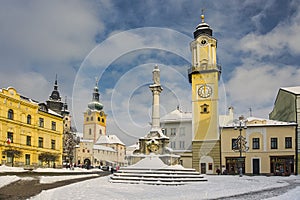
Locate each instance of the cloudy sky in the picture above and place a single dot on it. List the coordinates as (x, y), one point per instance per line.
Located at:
(119, 42)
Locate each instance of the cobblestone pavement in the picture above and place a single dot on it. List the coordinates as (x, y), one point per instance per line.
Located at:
(24, 189)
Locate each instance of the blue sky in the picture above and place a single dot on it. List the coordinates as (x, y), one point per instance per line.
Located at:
(120, 41)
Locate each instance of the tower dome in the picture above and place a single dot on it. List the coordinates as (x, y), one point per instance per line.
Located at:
(95, 103)
(202, 28)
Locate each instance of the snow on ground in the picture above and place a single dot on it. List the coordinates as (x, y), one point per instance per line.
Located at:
(215, 187)
(5, 180)
(65, 170)
(4, 168)
(53, 179)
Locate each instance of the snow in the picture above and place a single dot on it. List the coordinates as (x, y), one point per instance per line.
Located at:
(215, 187)
(149, 162)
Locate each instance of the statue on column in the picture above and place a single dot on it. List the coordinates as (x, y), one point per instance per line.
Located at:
(156, 75)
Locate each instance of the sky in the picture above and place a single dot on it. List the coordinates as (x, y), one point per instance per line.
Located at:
(119, 42)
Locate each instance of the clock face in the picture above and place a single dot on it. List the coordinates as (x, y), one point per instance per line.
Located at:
(204, 91)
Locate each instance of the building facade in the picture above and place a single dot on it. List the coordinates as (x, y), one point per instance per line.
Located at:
(271, 147)
(177, 125)
(204, 77)
(287, 108)
(30, 128)
(96, 148)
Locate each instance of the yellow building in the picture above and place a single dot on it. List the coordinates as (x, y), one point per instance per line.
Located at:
(204, 77)
(28, 127)
(272, 147)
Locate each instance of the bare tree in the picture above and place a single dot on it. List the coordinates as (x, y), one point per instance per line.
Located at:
(13, 153)
(48, 157)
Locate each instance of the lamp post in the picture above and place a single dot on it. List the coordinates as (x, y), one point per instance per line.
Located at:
(241, 142)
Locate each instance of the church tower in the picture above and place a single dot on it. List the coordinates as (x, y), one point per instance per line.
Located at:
(94, 124)
(204, 76)
(54, 102)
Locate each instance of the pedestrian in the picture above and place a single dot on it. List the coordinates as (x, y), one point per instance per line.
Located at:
(218, 171)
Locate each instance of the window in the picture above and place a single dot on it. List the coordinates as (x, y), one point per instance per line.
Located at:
(204, 108)
(28, 119)
(92, 118)
(83, 150)
(173, 131)
(90, 131)
(41, 122)
(27, 159)
(210, 166)
(10, 114)
(234, 144)
(28, 140)
(164, 131)
(52, 144)
(87, 119)
(288, 142)
(173, 145)
(41, 142)
(53, 126)
(274, 143)
(182, 131)
(10, 137)
(98, 119)
(255, 143)
(103, 120)
(181, 144)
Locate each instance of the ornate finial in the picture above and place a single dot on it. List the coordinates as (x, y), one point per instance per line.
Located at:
(202, 15)
(55, 79)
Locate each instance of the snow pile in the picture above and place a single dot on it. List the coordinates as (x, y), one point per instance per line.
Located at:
(5, 180)
(4, 168)
(149, 162)
(53, 179)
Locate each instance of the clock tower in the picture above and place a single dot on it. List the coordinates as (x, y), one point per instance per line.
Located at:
(204, 76)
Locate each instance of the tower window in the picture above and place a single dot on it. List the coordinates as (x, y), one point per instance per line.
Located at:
(87, 119)
(92, 118)
(28, 119)
(204, 108)
(10, 114)
(90, 131)
(103, 120)
(52, 144)
(98, 119)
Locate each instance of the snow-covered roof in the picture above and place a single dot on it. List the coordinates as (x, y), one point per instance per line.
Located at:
(255, 121)
(53, 113)
(109, 139)
(86, 141)
(103, 148)
(295, 89)
(176, 115)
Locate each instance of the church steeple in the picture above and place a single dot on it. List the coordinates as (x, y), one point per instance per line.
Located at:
(95, 103)
(55, 93)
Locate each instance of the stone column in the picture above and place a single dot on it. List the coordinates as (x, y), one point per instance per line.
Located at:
(156, 89)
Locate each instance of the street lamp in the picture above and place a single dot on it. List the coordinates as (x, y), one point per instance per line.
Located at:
(241, 142)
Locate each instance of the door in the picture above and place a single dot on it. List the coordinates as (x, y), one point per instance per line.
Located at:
(203, 168)
(255, 166)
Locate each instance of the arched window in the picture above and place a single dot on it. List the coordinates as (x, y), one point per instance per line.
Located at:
(28, 119)
(10, 114)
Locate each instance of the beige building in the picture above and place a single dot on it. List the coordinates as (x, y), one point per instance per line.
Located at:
(96, 148)
(272, 147)
(287, 108)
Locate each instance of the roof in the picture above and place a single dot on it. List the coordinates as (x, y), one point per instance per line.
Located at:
(255, 121)
(176, 115)
(103, 148)
(294, 90)
(109, 139)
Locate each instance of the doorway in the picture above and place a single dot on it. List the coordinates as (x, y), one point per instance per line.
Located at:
(255, 166)
(203, 168)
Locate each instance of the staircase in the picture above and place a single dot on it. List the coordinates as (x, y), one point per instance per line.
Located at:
(151, 170)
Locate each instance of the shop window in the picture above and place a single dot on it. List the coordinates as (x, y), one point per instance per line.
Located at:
(274, 143)
(28, 119)
(234, 144)
(41, 122)
(53, 126)
(255, 143)
(27, 159)
(288, 142)
(173, 131)
(41, 142)
(210, 166)
(28, 140)
(10, 114)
